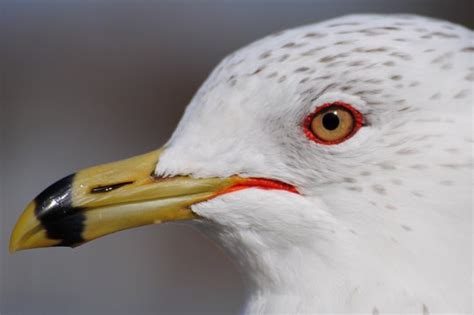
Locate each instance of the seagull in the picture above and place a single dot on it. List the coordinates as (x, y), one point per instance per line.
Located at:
(333, 163)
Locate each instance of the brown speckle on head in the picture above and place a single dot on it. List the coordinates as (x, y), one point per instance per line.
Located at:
(462, 94)
(312, 51)
(389, 63)
(258, 70)
(417, 193)
(371, 50)
(272, 75)
(379, 189)
(265, 55)
(301, 69)
(401, 55)
(406, 228)
(356, 63)
(344, 42)
(469, 77)
(425, 310)
(468, 49)
(435, 96)
(406, 151)
(444, 35)
(354, 188)
(283, 57)
(314, 35)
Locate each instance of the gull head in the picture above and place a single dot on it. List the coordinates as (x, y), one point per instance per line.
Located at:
(332, 161)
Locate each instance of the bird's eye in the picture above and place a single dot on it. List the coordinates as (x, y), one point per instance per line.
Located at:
(333, 123)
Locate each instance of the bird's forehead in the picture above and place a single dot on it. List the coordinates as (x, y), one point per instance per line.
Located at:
(392, 64)
(370, 56)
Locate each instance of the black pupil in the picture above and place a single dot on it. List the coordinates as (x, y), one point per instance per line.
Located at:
(331, 121)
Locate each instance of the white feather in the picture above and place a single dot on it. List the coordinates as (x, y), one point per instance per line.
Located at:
(384, 220)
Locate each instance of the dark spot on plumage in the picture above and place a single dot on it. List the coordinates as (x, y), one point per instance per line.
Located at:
(344, 42)
(417, 194)
(356, 63)
(373, 81)
(396, 77)
(312, 51)
(468, 49)
(371, 50)
(304, 80)
(258, 70)
(462, 94)
(374, 103)
(444, 35)
(293, 45)
(283, 57)
(265, 55)
(328, 59)
(418, 166)
(435, 96)
(282, 78)
(323, 77)
(379, 189)
(302, 69)
(354, 188)
(368, 92)
(389, 63)
(272, 75)
(314, 35)
(406, 228)
(401, 55)
(425, 310)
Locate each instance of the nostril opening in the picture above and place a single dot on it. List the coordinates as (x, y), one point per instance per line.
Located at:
(107, 188)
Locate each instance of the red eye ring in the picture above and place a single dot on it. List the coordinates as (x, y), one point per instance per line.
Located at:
(309, 123)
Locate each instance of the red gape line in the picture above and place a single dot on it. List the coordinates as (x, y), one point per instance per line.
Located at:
(358, 122)
(262, 183)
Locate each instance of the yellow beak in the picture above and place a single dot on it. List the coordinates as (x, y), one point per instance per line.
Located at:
(107, 198)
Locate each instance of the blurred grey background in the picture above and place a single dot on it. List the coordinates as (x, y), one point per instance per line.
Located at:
(86, 82)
